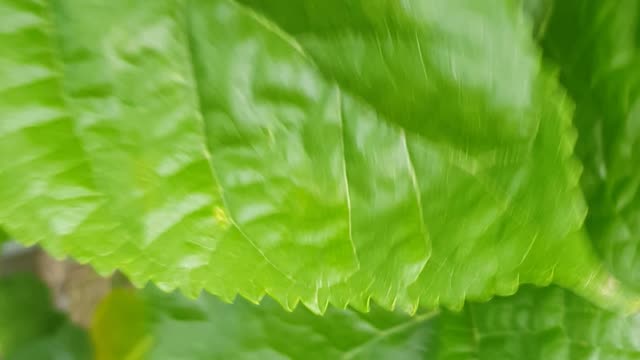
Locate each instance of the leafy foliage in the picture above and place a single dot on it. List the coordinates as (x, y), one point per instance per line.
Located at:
(413, 153)
(534, 324)
(30, 328)
(25, 311)
(3, 236)
(538, 324)
(168, 326)
(417, 153)
(68, 342)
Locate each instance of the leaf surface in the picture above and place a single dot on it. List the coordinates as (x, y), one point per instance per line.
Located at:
(534, 324)
(4, 237)
(68, 342)
(598, 57)
(25, 312)
(30, 328)
(537, 324)
(177, 328)
(272, 150)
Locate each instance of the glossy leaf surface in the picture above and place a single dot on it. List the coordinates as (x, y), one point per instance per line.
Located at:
(413, 153)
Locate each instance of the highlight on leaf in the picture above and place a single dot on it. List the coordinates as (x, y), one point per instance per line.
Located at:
(441, 179)
(417, 154)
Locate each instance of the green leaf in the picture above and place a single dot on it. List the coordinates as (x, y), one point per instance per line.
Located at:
(535, 324)
(370, 48)
(30, 328)
(26, 312)
(412, 153)
(4, 237)
(177, 328)
(538, 324)
(120, 326)
(539, 11)
(597, 50)
(438, 68)
(68, 342)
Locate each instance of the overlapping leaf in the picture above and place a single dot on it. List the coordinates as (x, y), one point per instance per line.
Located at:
(597, 49)
(436, 59)
(154, 325)
(407, 152)
(538, 324)
(535, 324)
